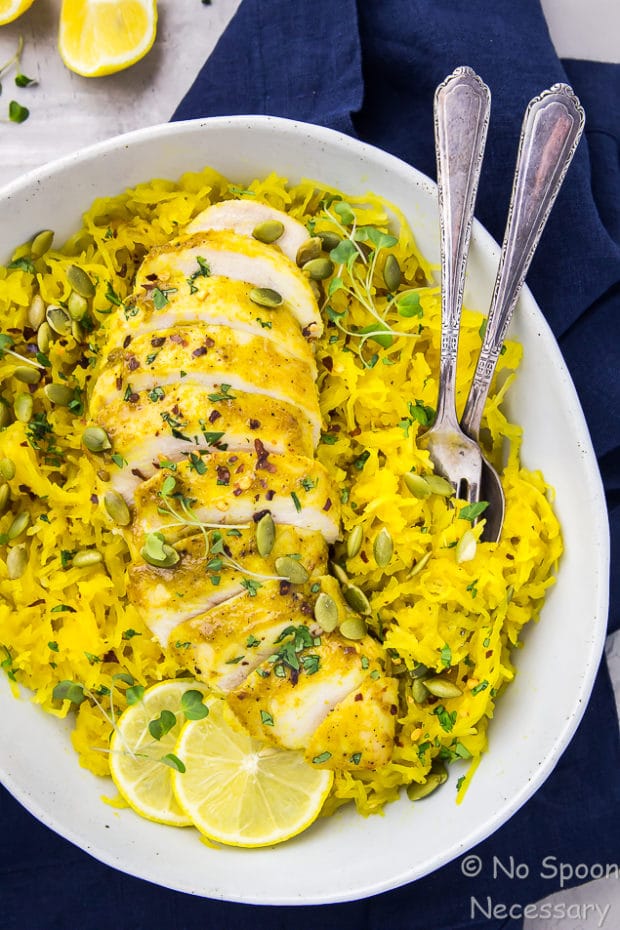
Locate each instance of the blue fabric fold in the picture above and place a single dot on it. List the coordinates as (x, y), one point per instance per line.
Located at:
(369, 69)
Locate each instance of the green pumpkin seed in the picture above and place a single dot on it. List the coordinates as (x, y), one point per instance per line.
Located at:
(266, 297)
(354, 541)
(265, 535)
(27, 375)
(319, 268)
(291, 569)
(23, 407)
(18, 525)
(7, 469)
(16, 562)
(5, 415)
(391, 273)
(58, 394)
(353, 628)
(383, 547)
(340, 574)
(5, 498)
(420, 671)
(439, 485)
(103, 474)
(76, 331)
(41, 243)
(326, 612)
(419, 565)
(158, 553)
(117, 508)
(466, 547)
(330, 240)
(77, 305)
(80, 281)
(418, 691)
(356, 599)
(36, 312)
(86, 557)
(44, 337)
(442, 687)
(309, 250)
(59, 319)
(269, 231)
(96, 439)
(416, 792)
(417, 485)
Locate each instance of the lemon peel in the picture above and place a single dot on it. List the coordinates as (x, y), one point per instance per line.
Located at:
(99, 37)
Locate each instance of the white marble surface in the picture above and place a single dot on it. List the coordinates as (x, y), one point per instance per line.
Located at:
(68, 112)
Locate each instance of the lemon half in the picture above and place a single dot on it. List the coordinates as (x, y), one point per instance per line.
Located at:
(241, 792)
(11, 9)
(135, 756)
(98, 37)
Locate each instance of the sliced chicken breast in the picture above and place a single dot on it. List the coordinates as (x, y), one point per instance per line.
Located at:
(289, 696)
(234, 638)
(209, 356)
(359, 732)
(243, 216)
(241, 259)
(234, 488)
(213, 300)
(205, 576)
(167, 426)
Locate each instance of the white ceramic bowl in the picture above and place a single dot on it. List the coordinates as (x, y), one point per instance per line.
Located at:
(344, 857)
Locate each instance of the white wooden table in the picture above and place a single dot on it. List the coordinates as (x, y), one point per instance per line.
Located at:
(68, 112)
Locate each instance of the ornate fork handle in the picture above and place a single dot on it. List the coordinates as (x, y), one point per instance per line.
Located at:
(462, 104)
(551, 129)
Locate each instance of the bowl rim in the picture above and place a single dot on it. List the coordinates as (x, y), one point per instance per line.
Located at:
(37, 177)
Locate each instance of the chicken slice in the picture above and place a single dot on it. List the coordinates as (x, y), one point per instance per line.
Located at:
(214, 300)
(243, 216)
(226, 644)
(359, 732)
(167, 597)
(234, 488)
(155, 427)
(209, 356)
(289, 696)
(242, 259)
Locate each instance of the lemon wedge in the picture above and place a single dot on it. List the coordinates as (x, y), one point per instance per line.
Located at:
(98, 37)
(11, 9)
(241, 792)
(140, 762)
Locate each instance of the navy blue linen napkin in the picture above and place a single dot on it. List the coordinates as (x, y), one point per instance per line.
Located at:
(370, 69)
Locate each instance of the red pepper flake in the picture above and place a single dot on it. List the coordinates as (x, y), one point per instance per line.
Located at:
(270, 494)
(132, 363)
(158, 341)
(359, 697)
(262, 457)
(178, 339)
(223, 475)
(119, 383)
(126, 341)
(356, 431)
(393, 710)
(237, 492)
(138, 474)
(214, 415)
(176, 410)
(307, 330)
(209, 343)
(133, 398)
(201, 350)
(94, 499)
(254, 424)
(364, 558)
(328, 363)
(260, 514)
(285, 587)
(328, 504)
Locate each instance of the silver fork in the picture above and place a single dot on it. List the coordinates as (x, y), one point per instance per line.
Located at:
(461, 116)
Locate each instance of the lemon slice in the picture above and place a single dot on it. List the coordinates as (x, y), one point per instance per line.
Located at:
(100, 37)
(135, 755)
(11, 9)
(241, 792)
